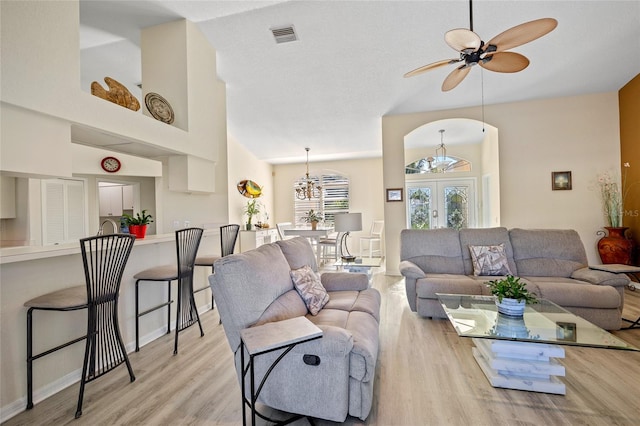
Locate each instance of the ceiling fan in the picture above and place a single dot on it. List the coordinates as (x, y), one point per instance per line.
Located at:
(492, 55)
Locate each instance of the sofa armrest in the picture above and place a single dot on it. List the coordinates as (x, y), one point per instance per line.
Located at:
(344, 281)
(411, 270)
(596, 277)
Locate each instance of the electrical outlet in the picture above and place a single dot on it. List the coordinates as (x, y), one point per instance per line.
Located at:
(176, 224)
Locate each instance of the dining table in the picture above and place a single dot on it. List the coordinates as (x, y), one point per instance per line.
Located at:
(314, 235)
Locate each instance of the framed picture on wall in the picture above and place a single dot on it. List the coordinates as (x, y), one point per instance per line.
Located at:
(394, 194)
(560, 181)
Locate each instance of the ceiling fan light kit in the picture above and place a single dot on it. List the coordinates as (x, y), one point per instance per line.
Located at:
(492, 55)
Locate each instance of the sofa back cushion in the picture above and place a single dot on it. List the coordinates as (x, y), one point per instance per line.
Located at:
(245, 285)
(485, 237)
(547, 252)
(298, 252)
(435, 251)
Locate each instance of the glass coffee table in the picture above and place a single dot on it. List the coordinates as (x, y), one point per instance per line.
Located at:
(520, 353)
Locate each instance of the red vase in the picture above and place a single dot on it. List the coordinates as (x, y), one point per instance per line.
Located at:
(615, 247)
(138, 230)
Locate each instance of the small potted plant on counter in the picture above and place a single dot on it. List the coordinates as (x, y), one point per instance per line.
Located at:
(138, 223)
(313, 218)
(251, 209)
(511, 295)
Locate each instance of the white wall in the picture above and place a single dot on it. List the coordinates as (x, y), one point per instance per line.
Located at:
(579, 134)
(242, 164)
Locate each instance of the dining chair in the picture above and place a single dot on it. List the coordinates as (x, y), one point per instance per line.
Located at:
(329, 247)
(281, 227)
(228, 238)
(104, 258)
(187, 243)
(374, 237)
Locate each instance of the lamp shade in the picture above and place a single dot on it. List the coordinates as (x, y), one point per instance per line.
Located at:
(346, 222)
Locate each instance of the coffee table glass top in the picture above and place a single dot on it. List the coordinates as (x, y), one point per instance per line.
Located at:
(367, 262)
(543, 322)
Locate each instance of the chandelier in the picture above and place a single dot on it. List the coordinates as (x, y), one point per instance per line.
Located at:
(440, 162)
(308, 189)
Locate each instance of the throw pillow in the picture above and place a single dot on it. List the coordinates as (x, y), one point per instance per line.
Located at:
(308, 285)
(489, 260)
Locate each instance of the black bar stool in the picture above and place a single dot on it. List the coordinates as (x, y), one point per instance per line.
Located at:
(228, 237)
(187, 243)
(104, 259)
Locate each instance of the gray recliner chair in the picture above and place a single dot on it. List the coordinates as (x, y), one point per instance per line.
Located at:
(255, 287)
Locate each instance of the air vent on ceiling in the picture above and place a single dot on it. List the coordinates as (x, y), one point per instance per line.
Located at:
(284, 34)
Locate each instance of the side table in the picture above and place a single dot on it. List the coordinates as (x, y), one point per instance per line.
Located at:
(633, 271)
(267, 338)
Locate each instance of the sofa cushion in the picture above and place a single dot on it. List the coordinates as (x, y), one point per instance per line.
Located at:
(434, 250)
(363, 301)
(568, 292)
(307, 283)
(426, 288)
(547, 252)
(289, 305)
(489, 260)
(298, 252)
(485, 237)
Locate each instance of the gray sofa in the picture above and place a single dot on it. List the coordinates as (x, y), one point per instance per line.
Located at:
(553, 263)
(255, 288)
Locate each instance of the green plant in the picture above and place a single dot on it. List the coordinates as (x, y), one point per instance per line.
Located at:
(312, 216)
(251, 209)
(139, 219)
(510, 287)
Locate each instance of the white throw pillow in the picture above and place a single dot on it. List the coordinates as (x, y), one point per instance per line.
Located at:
(489, 260)
(310, 288)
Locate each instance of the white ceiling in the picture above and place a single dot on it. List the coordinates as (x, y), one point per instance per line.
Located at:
(329, 90)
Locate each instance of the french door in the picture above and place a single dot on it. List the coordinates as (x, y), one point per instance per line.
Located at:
(447, 203)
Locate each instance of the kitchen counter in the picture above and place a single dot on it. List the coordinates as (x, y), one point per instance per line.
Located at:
(25, 253)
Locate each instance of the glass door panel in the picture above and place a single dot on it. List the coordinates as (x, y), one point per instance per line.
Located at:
(441, 204)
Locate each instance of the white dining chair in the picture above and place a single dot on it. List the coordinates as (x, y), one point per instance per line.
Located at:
(372, 243)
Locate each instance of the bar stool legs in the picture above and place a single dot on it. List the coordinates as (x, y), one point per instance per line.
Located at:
(140, 314)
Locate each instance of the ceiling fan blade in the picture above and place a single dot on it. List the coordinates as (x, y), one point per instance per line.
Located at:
(523, 33)
(504, 62)
(454, 78)
(432, 66)
(463, 40)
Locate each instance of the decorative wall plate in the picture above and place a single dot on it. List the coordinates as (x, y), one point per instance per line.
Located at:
(159, 107)
(249, 188)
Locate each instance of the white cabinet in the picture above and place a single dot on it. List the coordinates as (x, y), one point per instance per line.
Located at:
(250, 240)
(63, 211)
(110, 200)
(127, 197)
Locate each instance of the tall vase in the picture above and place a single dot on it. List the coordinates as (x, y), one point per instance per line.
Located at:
(615, 247)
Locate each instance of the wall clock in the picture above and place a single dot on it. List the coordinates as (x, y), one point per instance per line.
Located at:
(110, 164)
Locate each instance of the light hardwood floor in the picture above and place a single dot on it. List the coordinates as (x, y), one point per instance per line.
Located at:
(426, 375)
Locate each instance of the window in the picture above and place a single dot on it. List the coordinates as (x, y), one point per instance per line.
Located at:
(428, 165)
(334, 198)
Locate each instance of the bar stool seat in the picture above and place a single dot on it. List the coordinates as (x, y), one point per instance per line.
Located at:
(66, 299)
(158, 273)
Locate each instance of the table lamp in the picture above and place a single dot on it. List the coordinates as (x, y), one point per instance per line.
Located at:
(347, 222)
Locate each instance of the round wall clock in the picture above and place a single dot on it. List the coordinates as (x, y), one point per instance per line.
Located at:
(110, 164)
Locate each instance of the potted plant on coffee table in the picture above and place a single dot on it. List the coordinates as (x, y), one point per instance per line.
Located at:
(313, 217)
(138, 223)
(511, 295)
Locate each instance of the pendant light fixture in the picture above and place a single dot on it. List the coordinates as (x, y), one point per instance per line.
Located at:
(308, 189)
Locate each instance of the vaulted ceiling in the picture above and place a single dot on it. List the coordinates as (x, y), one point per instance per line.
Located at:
(329, 89)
